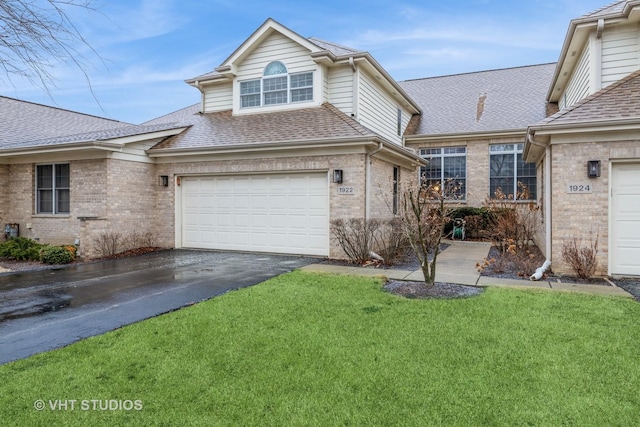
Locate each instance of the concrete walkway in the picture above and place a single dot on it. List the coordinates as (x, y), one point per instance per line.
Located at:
(457, 264)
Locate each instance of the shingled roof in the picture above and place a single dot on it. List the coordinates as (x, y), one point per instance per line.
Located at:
(486, 101)
(612, 9)
(222, 129)
(22, 122)
(620, 100)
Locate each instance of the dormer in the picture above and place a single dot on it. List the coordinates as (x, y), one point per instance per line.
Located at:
(276, 69)
(600, 48)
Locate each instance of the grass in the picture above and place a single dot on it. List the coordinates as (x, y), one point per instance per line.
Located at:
(309, 349)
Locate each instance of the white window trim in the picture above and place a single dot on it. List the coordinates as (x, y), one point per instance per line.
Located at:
(289, 90)
(441, 157)
(53, 190)
(518, 148)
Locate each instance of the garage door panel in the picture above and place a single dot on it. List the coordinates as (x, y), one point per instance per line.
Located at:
(625, 211)
(284, 213)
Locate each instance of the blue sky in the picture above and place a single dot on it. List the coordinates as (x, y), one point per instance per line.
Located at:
(147, 48)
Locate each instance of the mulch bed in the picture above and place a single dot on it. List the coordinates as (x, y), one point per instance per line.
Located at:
(438, 290)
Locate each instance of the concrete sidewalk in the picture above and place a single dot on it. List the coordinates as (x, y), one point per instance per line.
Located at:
(457, 264)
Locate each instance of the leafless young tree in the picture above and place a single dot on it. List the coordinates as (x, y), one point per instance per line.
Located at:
(424, 215)
(36, 34)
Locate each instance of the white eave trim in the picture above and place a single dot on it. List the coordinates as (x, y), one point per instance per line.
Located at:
(112, 144)
(509, 133)
(604, 125)
(324, 144)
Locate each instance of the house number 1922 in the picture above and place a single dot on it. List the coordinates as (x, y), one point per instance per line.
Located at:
(346, 190)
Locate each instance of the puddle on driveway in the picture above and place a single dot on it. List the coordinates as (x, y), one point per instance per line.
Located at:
(38, 303)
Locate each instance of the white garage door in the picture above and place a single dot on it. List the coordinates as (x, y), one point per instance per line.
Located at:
(625, 223)
(281, 213)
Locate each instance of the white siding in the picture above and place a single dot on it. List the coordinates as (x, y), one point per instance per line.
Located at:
(378, 111)
(296, 58)
(218, 98)
(619, 53)
(341, 88)
(578, 87)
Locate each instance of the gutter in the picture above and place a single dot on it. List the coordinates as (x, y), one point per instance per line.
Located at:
(508, 133)
(547, 191)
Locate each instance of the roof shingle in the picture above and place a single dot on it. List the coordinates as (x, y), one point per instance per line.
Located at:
(496, 100)
(221, 129)
(22, 122)
(620, 100)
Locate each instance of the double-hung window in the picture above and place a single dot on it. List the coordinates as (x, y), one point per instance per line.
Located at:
(52, 189)
(507, 169)
(447, 169)
(276, 87)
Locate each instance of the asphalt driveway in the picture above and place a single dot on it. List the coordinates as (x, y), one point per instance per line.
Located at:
(48, 309)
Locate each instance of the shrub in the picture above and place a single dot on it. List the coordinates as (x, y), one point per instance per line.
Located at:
(136, 239)
(108, 244)
(357, 237)
(582, 259)
(394, 242)
(20, 249)
(511, 222)
(56, 255)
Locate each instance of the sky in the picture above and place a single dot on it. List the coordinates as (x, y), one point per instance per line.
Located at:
(143, 50)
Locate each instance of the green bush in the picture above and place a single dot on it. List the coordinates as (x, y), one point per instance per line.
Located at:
(56, 255)
(481, 219)
(20, 249)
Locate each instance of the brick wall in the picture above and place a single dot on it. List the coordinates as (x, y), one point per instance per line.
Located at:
(341, 206)
(4, 195)
(582, 216)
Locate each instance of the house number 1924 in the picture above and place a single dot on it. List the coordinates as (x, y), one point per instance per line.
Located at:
(579, 188)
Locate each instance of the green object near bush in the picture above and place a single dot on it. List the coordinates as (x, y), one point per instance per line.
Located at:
(20, 249)
(56, 255)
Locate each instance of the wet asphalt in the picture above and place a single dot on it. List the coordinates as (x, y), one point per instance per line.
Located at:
(48, 309)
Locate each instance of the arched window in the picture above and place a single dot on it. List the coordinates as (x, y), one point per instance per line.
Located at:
(277, 86)
(275, 67)
(274, 83)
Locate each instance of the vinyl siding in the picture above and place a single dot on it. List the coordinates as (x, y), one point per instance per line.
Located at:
(578, 87)
(340, 87)
(378, 111)
(296, 58)
(619, 53)
(218, 98)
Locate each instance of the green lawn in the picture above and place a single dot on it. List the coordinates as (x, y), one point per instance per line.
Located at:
(309, 349)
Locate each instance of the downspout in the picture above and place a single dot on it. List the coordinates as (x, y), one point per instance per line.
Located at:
(547, 205)
(354, 88)
(367, 191)
(202, 97)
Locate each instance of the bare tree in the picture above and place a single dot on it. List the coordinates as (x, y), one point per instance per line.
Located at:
(36, 34)
(423, 216)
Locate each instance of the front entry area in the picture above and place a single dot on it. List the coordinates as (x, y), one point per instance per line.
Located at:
(278, 213)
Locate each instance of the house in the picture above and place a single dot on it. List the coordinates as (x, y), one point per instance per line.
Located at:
(588, 153)
(291, 133)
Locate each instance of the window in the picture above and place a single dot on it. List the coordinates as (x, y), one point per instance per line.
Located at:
(276, 87)
(250, 94)
(52, 189)
(507, 168)
(447, 168)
